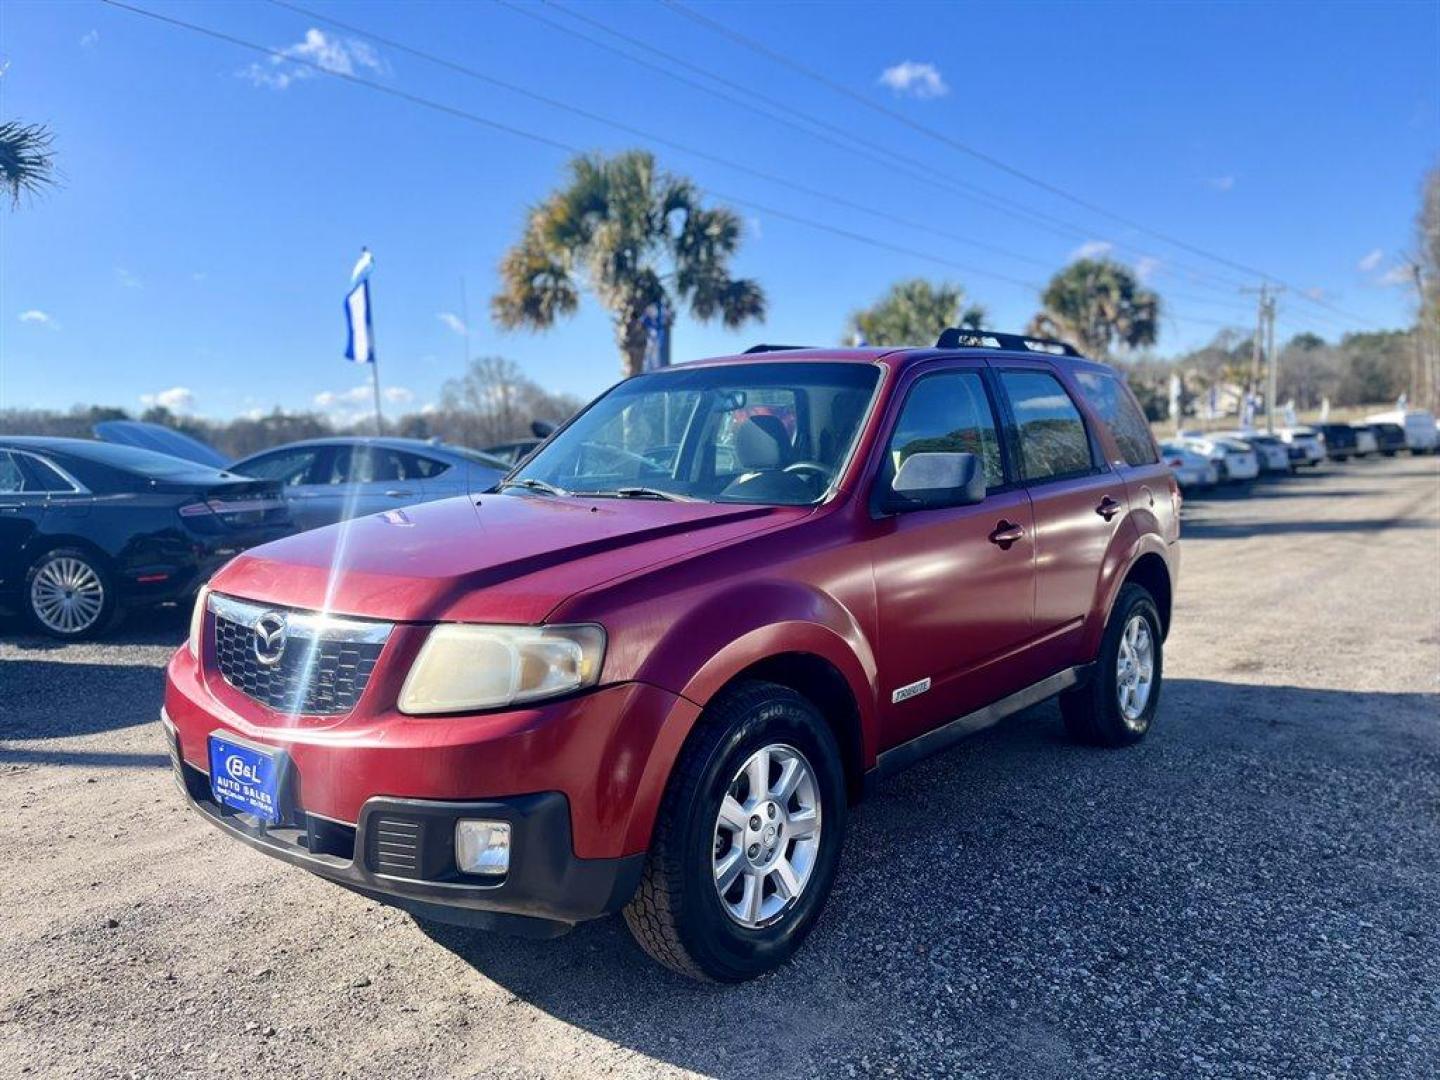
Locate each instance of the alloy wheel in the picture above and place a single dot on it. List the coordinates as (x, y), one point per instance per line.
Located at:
(767, 835)
(67, 595)
(1135, 671)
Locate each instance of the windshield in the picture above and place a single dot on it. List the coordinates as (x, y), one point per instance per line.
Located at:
(772, 433)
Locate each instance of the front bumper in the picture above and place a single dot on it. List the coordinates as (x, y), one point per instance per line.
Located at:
(401, 851)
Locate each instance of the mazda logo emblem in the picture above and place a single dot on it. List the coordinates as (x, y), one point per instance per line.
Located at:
(270, 637)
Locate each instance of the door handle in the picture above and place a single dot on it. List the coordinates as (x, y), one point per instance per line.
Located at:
(1005, 534)
(1108, 508)
(396, 493)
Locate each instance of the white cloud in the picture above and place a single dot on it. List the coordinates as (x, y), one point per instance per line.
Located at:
(1370, 262)
(1399, 274)
(39, 318)
(329, 399)
(90, 39)
(1093, 249)
(1146, 267)
(176, 399)
(915, 79)
(358, 403)
(126, 279)
(1220, 183)
(453, 321)
(340, 56)
(1315, 293)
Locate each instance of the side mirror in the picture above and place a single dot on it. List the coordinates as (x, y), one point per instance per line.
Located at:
(541, 429)
(930, 481)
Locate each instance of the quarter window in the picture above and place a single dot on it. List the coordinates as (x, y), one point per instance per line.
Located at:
(1052, 436)
(1118, 411)
(949, 413)
(40, 476)
(290, 467)
(12, 481)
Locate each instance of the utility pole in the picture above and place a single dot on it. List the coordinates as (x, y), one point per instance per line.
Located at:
(1420, 374)
(1263, 345)
(1270, 382)
(465, 322)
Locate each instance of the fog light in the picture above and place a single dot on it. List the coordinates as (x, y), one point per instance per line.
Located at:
(482, 847)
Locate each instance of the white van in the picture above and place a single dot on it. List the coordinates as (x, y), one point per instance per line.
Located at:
(1419, 425)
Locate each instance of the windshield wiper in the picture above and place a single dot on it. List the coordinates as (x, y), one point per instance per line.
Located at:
(531, 484)
(641, 493)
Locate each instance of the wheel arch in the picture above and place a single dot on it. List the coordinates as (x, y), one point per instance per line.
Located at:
(49, 542)
(1152, 573)
(824, 686)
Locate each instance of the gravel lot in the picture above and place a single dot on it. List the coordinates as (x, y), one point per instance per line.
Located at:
(1254, 891)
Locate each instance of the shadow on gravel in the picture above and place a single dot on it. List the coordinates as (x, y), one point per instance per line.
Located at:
(1217, 530)
(1020, 904)
(151, 626)
(53, 699)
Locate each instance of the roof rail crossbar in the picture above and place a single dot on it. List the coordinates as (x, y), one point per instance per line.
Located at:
(773, 348)
(955, 337)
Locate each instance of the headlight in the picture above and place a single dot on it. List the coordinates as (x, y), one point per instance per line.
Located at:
(462, 668)
(197, 620)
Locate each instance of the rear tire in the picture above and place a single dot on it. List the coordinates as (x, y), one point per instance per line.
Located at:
(679, 914)
(1117, 705)
(70, 595)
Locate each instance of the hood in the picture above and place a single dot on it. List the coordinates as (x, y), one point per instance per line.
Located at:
(497, 558)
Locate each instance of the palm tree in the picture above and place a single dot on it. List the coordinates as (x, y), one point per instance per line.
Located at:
(914, 312)
(639, 239)
(1096, 304)
(27, 164)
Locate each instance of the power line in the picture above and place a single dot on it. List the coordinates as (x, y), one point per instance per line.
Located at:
(463, 69)
(465, 114)
(989, 159)
(662, 140)
(544, 140)
(883, 155)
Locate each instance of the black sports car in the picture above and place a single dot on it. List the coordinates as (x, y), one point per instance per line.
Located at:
(89, 530)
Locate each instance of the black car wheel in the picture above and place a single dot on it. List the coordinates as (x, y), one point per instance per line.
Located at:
(69, 594)
(748, 838)
(1117, 705)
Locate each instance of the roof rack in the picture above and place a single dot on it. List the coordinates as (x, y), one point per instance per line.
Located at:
(957, 338)
(773, 348)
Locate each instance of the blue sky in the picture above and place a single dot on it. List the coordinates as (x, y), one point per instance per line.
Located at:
(215, 199)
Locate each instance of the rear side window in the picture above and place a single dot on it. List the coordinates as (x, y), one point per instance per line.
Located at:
(1052, 436)
(416, 467)
(949, 413)
(290, 467)
(39, 476)
(1118, 411)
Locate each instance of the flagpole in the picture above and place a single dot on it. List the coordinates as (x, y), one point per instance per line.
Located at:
(375, 385)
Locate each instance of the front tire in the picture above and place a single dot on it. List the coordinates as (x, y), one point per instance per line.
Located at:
(1117, 705)
(748, 838)
(69, 594)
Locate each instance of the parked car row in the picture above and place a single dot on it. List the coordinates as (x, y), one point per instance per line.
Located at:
(90, 529)
(1205, 459)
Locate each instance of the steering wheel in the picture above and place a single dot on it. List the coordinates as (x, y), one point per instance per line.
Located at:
(822, 472)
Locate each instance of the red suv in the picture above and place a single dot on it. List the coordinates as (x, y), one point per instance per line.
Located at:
(655, 667)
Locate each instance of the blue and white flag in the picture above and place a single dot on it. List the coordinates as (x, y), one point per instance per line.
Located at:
(363, 266)
(360, 349)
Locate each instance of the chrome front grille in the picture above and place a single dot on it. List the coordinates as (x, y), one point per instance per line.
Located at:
(299, 662)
